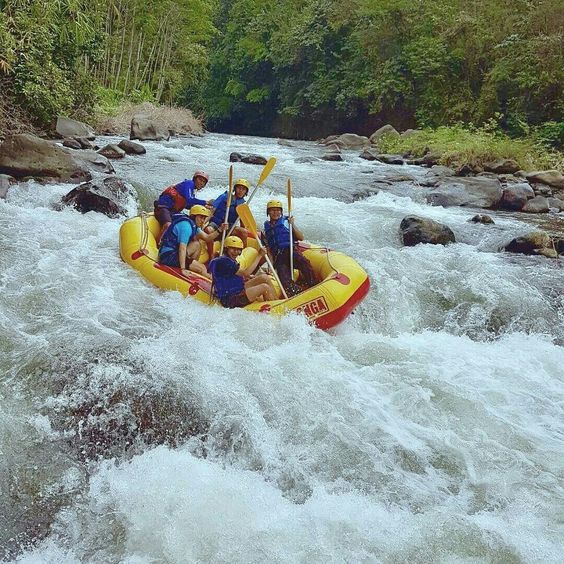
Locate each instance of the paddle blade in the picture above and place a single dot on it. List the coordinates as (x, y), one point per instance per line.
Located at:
(244, 212)
(266, 170)
(289, 191)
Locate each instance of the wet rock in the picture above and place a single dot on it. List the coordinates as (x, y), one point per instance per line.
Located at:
(351, 141)
(556, 203)
(482, 218)
(94, 161)
(548, 253)
(249, 159)
(552, 178)
(85, 143)
(529, 244)
(67, 127)
(474, 192)
(559, 245)
(112, 151)
(369, 155)
(388, 130)
(144, 128)
(515, 196)
(538, 204)
(5, 182)
(305, 160)
(415, 230)
(336, 157)
(328, 139)
(108, 196)
(502, 166)
(71, 143)
(131, 148)
(391, 159)
(26, 155)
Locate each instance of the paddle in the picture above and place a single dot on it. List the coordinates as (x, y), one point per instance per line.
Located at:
(263, 176)
(227, 208)
(248, 219)
(289, 190)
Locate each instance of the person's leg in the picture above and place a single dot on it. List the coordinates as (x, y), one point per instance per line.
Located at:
(307, 276)
(193, 251)
(263, 282)
(282, 267)
(164, 217)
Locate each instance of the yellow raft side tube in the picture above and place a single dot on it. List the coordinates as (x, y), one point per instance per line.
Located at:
(343, 282)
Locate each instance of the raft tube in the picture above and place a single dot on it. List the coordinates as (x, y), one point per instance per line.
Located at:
(343, 282)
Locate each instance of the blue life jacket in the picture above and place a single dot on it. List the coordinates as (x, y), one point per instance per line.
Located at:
(277, 235)
(220, 204)
(169, 239)
(226, 282)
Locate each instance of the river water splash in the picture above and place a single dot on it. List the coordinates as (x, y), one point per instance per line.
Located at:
(138, 426)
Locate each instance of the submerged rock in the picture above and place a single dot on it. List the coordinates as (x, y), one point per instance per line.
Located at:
(108, 196)
(415, 230)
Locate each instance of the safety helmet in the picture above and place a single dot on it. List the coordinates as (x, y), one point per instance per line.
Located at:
(244, 183)
(274, 204)
(233, 242)
(201, 174)
(197, 209)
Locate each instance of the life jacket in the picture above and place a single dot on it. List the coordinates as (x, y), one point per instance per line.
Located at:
(277, 235)
(225, 286)
(169, 238)
(219, 213)
(178, 201)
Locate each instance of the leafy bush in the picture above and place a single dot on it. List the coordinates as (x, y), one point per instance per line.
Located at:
(551, 133)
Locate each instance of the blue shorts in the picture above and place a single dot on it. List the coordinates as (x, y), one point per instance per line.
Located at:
(170, 258)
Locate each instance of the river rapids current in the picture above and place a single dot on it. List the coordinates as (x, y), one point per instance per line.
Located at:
(137, 426)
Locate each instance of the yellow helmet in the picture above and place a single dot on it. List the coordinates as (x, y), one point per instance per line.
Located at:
(243, 182)
(274, 204)
(233, 242)
(199, 210)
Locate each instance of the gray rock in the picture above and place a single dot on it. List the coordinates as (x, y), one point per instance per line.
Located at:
(94, 161)
(333, 148)
(71, 143)
(529, 244)
(556, 203)
(67, 127)
(332, 157)
(415, 230)
(146, 129)
(26, 155)
(108, 196)
(132, 148)
(351, 141)
(468, 169)
(502, 166)
(410, 132)
(369, 155)
(515, 196)
(112, 151)
(472, 192)
(85, 143)
(249, 159)
(5, 183)
(391, 159)
(384, 130)
(305, 160)
(550, 177)
(542, 189)
(482, 218)
(538, 204)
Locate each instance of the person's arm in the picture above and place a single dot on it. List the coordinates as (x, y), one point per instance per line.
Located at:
(182, 257)
(208, 237)
(298, 235)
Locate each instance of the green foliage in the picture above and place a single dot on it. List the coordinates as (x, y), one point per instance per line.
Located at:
(551, 133)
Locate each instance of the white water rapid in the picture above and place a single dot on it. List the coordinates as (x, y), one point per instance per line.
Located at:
(137, 426)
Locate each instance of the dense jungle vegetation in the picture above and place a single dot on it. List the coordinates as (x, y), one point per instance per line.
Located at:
(288, 67)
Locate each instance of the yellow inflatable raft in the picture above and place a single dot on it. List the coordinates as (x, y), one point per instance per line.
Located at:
(343, 283)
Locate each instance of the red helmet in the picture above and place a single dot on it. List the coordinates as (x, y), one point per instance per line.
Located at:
(201, 174)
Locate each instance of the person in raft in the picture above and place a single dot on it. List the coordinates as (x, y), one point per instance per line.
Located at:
(180, 196)
(277, 238)
(234, 286)
(180, 243)
(240, 190)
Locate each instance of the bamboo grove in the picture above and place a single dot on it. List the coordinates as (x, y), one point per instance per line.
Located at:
(291, 66)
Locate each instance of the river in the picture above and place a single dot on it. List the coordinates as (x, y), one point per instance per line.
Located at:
(137, 426)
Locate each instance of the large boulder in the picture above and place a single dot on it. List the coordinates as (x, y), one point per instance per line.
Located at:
(388, 130)
(26, 155)
(109, 196)
(538, 204)
(144, 128)
(515, 196)
(550, 177)
(94, 161)
(502, 166)
(533, 243)
(112, 151)
(350, 141)
(415, 230)
(132, 148)
(67, 127)
(477, 192)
